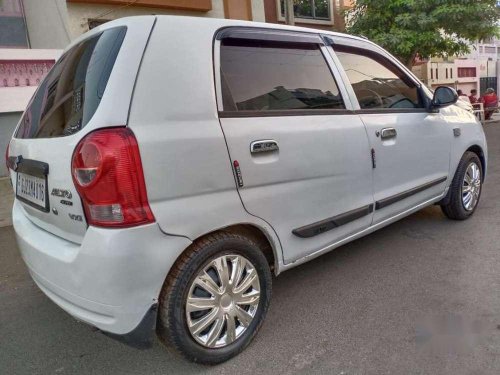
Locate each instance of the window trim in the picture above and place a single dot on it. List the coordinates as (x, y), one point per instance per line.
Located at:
(277, 35)
(312, 21)
(369, 52)
(265, 34)
(316, 112)
(285, 112)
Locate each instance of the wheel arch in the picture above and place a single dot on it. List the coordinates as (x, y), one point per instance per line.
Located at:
(259, 235)
(480, 153)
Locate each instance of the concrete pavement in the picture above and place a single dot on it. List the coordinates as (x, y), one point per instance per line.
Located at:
(6, 200)
(418, 297)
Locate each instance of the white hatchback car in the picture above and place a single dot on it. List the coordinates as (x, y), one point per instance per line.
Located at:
(167, 166)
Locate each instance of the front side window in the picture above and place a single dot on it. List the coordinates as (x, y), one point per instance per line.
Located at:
(266, 76)
(378, 83)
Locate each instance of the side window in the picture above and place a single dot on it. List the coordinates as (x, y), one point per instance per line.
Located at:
(377, 82)
(261, 75)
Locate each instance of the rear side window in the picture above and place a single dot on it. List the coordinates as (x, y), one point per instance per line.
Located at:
(267, 75)
(70, 94)
(376, 81)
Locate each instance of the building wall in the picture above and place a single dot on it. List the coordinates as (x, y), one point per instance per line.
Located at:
(423, 72)
(47, 23)
(12, 26)
(80, 13)
(54, 23)
(8, 122)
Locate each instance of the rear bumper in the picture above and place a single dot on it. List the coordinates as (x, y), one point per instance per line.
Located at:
(111, 280)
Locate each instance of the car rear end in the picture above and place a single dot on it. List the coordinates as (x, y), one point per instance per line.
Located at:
(81, 214)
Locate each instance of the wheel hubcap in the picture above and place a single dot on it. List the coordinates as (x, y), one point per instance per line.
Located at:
(222, 301)
(471, 187)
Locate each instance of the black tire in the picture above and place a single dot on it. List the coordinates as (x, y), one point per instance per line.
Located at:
(172, 325)
(454, 207)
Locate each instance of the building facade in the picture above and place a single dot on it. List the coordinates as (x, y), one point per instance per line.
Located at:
(321, 14)
(477, 70)
(54, 23)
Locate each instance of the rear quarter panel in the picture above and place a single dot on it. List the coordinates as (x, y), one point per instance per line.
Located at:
(188, 173)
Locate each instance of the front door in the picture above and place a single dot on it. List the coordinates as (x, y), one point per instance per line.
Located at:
(301, 156)
(411, 146)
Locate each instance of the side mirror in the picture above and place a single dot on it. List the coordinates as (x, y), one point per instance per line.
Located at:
(444, 96)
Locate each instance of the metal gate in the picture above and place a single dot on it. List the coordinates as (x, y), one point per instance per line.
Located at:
(487, 82)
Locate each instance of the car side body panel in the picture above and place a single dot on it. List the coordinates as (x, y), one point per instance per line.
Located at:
(188, 171)
(189, 179)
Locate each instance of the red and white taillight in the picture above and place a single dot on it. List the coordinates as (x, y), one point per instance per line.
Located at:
(107, 172)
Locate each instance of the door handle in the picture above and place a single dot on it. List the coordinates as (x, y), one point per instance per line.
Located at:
(388, 133)
(265, 145)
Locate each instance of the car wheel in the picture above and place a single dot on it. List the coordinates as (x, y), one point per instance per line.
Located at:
(215, 298)
(465, 189)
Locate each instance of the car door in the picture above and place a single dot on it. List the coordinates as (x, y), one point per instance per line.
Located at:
(411, 146)
(301, 157)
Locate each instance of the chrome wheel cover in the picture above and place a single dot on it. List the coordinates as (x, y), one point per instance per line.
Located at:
(471, 186)
(222, 301)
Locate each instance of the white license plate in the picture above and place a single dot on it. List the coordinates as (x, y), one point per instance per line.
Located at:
(32, 190)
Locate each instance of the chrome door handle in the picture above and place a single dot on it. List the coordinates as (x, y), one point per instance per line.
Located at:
(388, 133)
(265, 145)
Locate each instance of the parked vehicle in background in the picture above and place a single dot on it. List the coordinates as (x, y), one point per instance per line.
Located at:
(168, 166)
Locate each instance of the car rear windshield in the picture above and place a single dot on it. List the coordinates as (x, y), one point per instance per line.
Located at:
(70, 94)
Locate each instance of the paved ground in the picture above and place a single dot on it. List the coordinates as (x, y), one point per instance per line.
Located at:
(6, 199)
(418, 297)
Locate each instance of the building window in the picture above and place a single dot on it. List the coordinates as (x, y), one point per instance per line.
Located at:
(309, 11)
(451, 72)
(437, 73)
(489, 49)
(466, 72)
(432, 74)
(446, 73)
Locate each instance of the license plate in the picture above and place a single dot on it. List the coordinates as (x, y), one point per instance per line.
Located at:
(32, 190)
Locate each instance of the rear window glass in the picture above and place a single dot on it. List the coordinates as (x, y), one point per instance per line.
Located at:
(267, 75)
(70, 94)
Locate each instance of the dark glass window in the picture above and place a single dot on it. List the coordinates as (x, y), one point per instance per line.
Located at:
(377, 82)
(267, 76)
(70, 94)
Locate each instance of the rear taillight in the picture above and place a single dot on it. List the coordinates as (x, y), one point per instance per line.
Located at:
(107, 172)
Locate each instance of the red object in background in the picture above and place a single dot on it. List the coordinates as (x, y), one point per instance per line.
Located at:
(489, 100)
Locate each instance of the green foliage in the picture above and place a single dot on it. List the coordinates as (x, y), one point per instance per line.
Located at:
(408, 28)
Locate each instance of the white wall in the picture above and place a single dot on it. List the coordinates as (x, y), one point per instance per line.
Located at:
(79, 14)
(46, 21)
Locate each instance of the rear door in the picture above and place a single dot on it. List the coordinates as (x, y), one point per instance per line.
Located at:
(411, 145)
(301, 158)
(89, 87)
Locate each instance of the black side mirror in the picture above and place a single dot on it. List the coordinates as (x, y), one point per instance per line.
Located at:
(444, 96)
